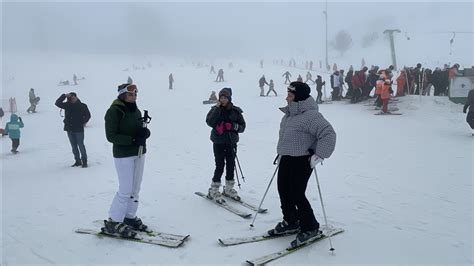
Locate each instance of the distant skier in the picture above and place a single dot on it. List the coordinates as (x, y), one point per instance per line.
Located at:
(271, 87)
(348, 80)
(319, 87)
(74, 79)
(170, 80)
(124, 129)
(306, 139)
(227, 122)
(299, 78)
(212, 71)
(12, 129)
(309, 76)
(33, 101)
(129, 80)
(76, 115)
(220, 75)
(213, 96)
(261, 83)
(287, 76)
(417, 78)
(335, 85)
(470, 104)
(341, 82)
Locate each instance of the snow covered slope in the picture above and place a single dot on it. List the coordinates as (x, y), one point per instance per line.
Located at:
(400, 186)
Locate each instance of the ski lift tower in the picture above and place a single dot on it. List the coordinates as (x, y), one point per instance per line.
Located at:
(392, 45)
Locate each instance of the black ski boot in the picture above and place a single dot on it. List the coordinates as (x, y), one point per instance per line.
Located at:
(84, 163)
(305, 237)
(284, 228)
(117, 228)
(136, 224)
(77, 163)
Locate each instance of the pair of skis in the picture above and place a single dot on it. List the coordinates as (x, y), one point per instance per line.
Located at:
(281, 253)
(148, 237)
(232, 209)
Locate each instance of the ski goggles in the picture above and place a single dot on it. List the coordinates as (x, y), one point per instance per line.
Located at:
(131, 89)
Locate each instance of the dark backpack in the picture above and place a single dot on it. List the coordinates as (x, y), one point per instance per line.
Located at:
(1, 112)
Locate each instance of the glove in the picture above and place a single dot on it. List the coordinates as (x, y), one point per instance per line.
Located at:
(464, 109)
(314, 160)
(139, 141)
(231, 126)
(143, 132)
(220, 128)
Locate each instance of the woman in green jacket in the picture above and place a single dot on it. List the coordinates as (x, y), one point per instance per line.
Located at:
(124, 129)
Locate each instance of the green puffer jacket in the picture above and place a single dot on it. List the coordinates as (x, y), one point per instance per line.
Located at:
(121, 126)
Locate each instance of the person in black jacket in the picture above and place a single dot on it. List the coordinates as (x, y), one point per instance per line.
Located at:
(319, 86)
(227, 122)
(76, 115)
(470, 104)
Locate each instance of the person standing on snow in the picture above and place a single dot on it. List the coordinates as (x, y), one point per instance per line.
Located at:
(309, 77)
(12, 129)
(271, 87)
(287, 76)
(226, 121)
(319, 87)
(305, 139)
(220, 75)
(171, 80)
(124, 129)
(33, 101)
(261, 83)
(76, 115)
(470, 104)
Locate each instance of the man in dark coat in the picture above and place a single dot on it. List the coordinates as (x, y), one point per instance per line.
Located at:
(76, 115)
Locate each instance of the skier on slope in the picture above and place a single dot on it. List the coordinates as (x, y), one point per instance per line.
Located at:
(305, 139)
(227, 122)
(319, 87)
(287, 76)
(123, 128)
(261, 84)
(470, 104)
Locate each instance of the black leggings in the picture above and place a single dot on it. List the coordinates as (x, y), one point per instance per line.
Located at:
(293, 176)
(224, 155)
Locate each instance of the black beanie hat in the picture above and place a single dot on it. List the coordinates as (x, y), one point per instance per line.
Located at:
(227, 92)
(301, 90)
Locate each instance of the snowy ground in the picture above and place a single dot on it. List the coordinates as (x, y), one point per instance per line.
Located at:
(401, 186)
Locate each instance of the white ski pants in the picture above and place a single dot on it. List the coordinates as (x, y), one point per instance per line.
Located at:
(130, 173)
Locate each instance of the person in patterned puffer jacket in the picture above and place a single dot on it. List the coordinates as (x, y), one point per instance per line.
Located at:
(305, 139)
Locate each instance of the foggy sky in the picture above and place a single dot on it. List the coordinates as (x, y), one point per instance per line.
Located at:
(221, 29)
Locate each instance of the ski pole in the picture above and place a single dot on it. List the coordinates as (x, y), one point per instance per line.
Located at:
(238, 164)
(236, 173)
(145, 120)
(277, 162)
(324, 211)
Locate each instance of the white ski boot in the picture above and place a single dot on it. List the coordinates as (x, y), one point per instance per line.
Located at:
(214, 192)
(229, 190)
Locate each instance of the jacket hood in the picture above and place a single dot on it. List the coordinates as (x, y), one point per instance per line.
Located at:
(299, 107)
(14, 118)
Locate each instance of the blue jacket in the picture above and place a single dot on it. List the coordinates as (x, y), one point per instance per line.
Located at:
(12, 128)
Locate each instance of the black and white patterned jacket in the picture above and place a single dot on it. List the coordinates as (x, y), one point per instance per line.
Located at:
(302, 128)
